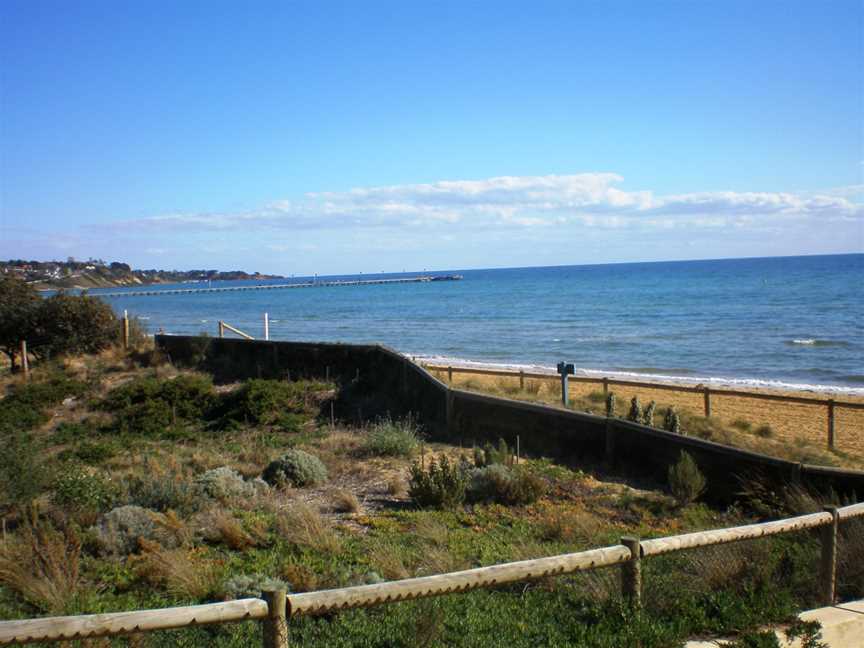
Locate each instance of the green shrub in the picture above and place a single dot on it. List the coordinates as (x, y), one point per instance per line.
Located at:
(504, 485)
(162, 492)
(74, 431)
(224, 483)
(596, 397)
(742, 424)
(22, 475)
(491, 455)
(295, 468)
(389, 438)
(72, 324)
(119, 530)
(272, 402)
(23, 408)
(76, 488)
(442, 485)
(148, 406)
(90, 452)
(686, 482)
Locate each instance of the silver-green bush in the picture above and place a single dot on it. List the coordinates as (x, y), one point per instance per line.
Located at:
(295, 468)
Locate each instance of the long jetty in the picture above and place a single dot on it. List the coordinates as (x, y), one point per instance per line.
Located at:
(308, 284)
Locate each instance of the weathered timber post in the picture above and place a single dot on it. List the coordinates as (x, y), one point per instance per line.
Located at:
(605, 385)
(830, 423)
(521, 380)
(276, 623)
(266, 326)
(450, 375)
(828, 562)
(565, 369)
(327, 373)
(25, 361)
(631, 573)
(517, 449)
(707, 403)
(221, 329)
(125, 330)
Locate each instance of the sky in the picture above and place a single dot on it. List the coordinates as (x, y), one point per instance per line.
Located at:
(341, 137)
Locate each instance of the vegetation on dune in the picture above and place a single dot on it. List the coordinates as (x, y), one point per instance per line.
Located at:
(138, 487)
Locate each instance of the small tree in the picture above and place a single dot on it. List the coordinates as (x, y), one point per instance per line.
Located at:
(19, 303)
(686, 482)
(635, 413)
(648, 415)
(672, 422)
(74, 324)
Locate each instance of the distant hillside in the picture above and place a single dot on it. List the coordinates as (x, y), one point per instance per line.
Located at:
(96, 273)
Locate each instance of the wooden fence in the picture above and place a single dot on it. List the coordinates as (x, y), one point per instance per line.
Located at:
(277, 608)
(830, 405)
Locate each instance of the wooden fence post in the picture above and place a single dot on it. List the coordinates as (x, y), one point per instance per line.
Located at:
(25, 361)
(830, 423)
(631, 573)
(450, 375)
(521, 380)
(125, 330)
(605, 385)
(221, 329)
(707, 403)
(828, 563)
(276, 623)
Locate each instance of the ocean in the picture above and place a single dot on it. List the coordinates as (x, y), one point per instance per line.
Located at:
(784, 322)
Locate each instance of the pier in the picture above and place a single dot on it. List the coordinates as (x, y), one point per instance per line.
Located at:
(308, 284)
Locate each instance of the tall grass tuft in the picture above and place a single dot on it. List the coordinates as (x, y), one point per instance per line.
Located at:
(41, 564)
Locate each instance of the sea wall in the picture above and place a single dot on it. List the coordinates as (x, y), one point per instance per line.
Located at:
(376, 381)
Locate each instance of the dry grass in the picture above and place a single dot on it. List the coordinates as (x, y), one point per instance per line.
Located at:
(344, 501)
(301, 577)
(303, 526)
(396, 486)
(556, 524)
(388, 562)
(41, 564)
(174, 527)
(182, 572)
(431, 530)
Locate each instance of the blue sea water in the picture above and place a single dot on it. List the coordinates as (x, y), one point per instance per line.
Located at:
(790, 321)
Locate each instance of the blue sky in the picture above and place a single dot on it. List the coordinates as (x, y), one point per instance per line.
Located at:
(340, 137)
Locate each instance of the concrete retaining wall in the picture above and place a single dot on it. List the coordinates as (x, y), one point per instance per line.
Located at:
(376, 381)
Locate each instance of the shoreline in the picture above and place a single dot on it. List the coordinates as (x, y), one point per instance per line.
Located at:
(778, 387)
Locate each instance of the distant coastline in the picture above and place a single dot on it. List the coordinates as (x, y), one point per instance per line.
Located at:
(95, 273)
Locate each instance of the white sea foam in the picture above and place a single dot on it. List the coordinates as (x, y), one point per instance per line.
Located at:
(808, 341)
(716, 381)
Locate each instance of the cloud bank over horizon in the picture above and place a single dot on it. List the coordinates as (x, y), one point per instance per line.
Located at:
(474, 223)
(588, 199)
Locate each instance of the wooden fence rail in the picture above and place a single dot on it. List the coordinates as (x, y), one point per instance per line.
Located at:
(278, 607)
(829, 403)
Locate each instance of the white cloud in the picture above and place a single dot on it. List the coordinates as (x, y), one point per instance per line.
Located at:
(586, 199)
